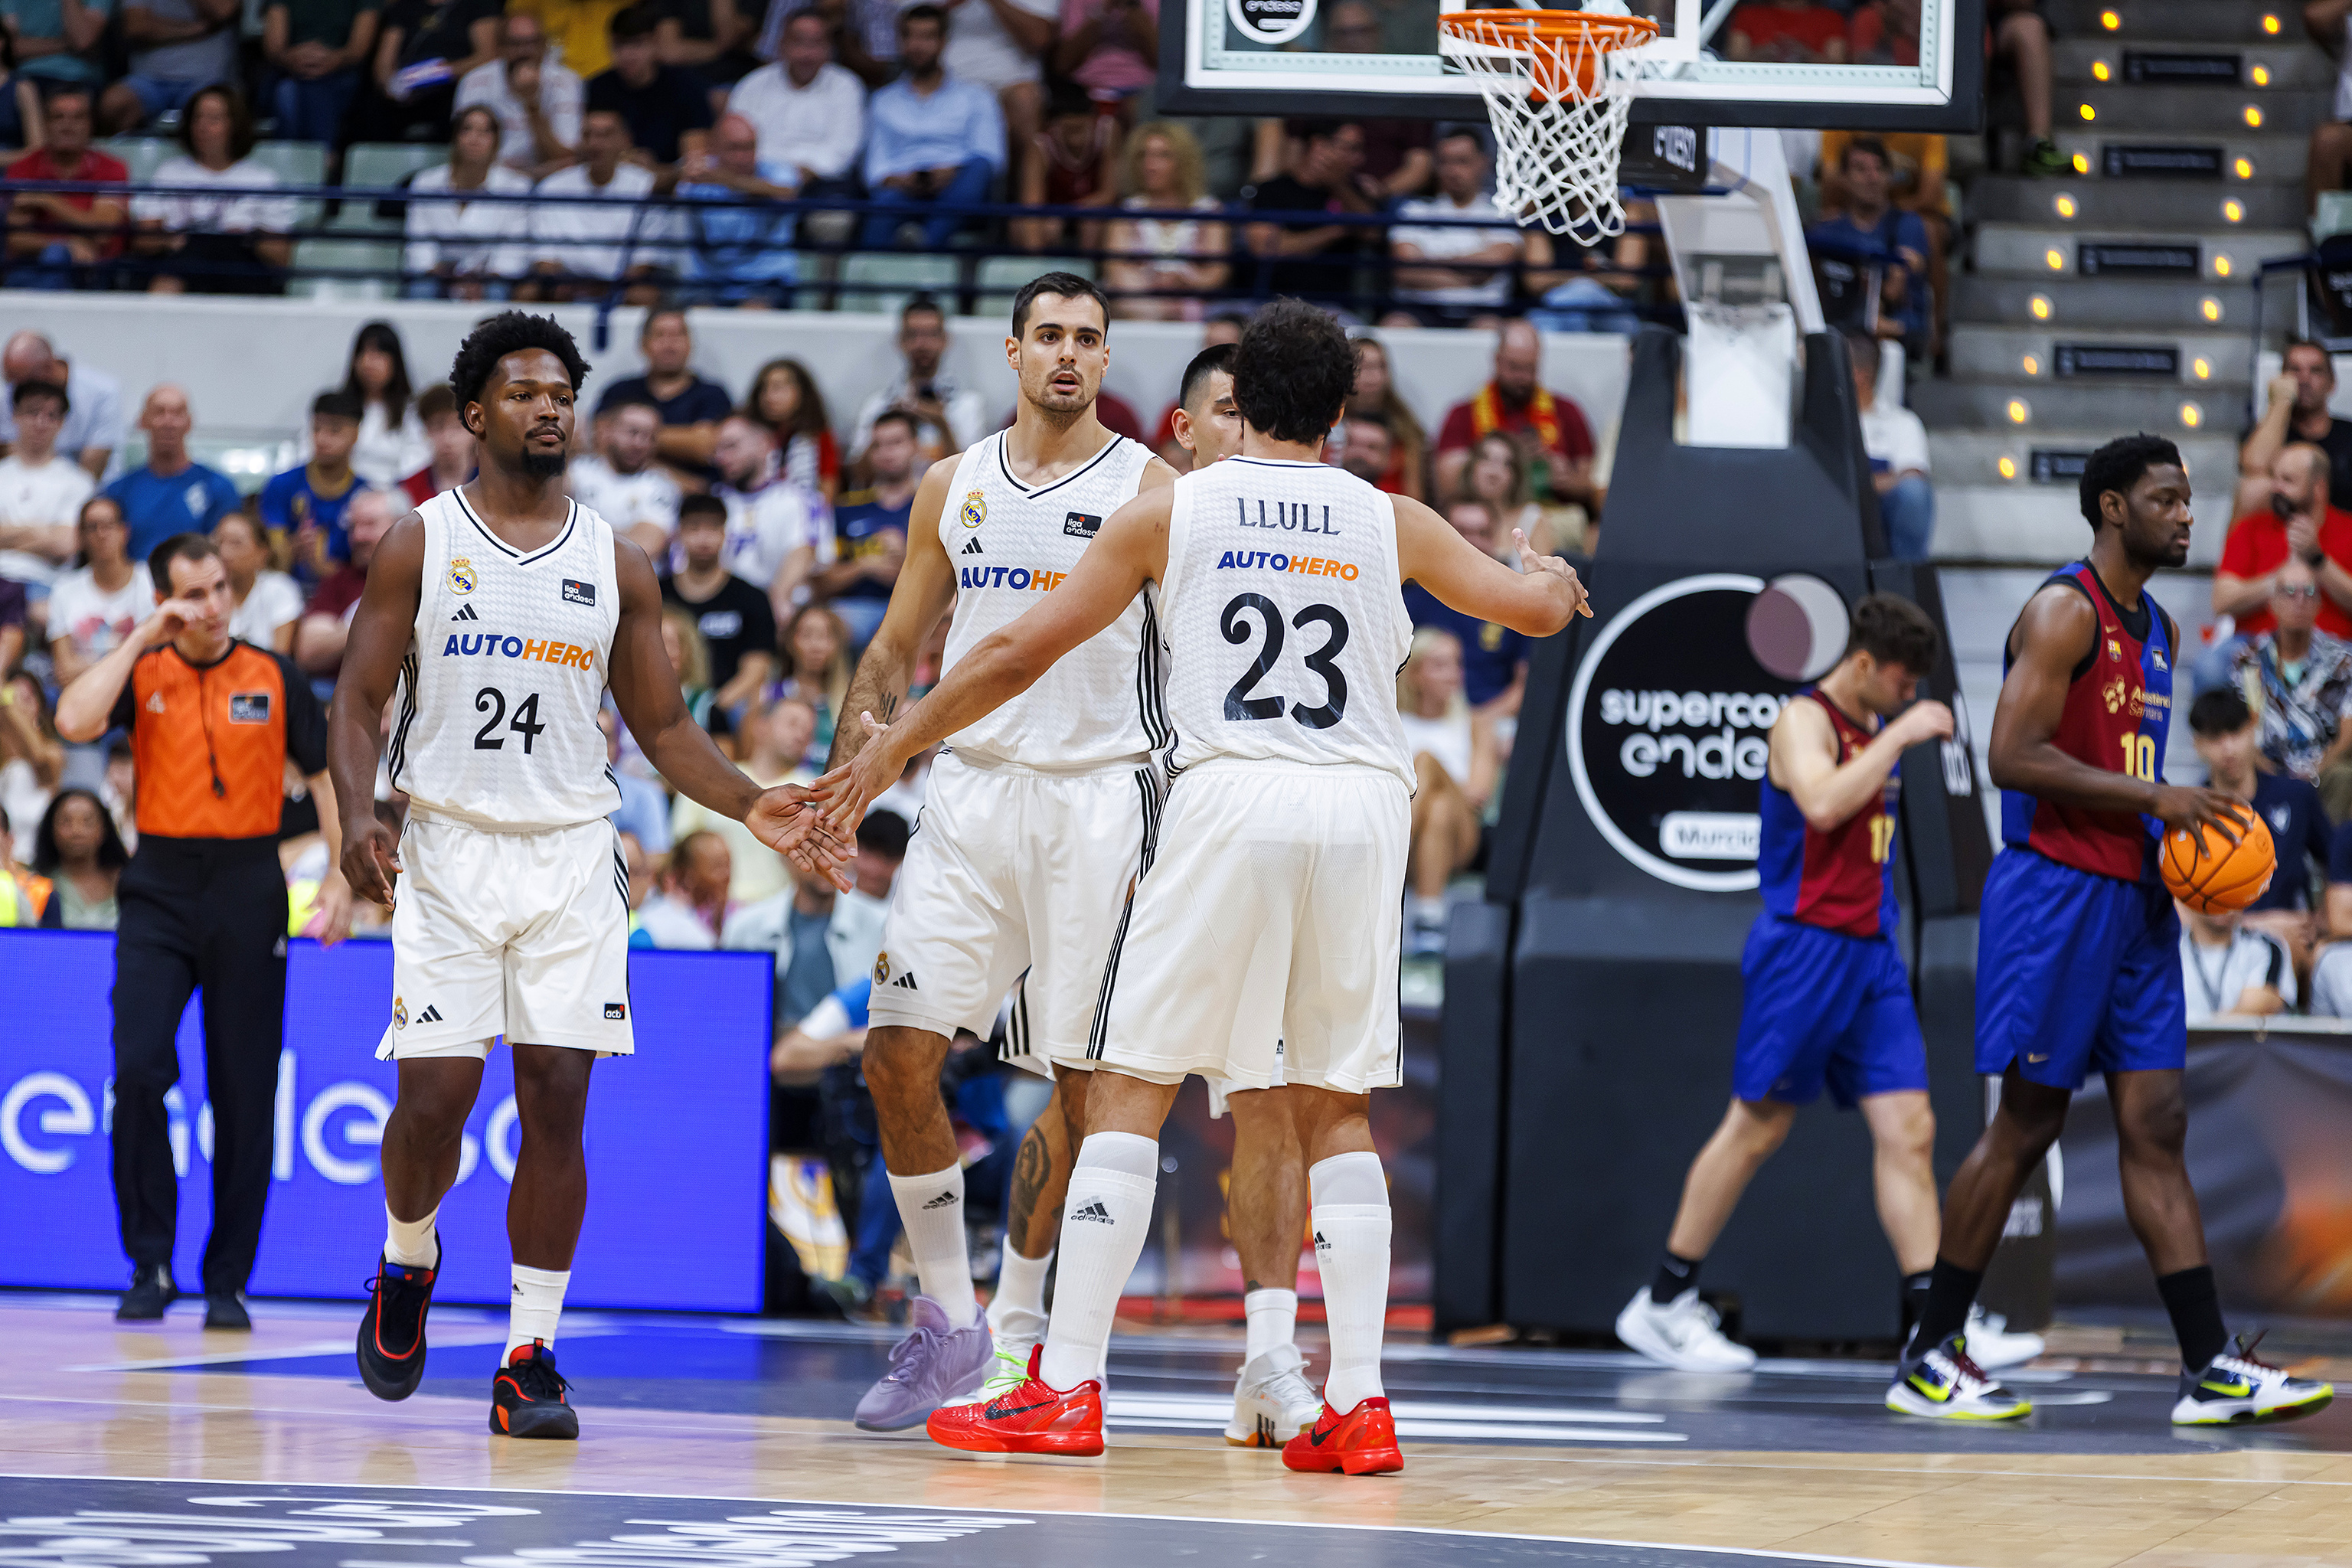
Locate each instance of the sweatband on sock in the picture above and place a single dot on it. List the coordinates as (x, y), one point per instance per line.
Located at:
(1020, 1286)
(410, 1243)
(537, 1303)
(931, 1208)
(1676, 1274)
(1272, 1319)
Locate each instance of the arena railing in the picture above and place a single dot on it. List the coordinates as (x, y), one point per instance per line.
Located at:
(661, 232)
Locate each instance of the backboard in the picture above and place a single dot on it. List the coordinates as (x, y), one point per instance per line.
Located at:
(1378, 59)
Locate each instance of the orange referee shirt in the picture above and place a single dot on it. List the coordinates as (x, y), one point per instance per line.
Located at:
(210, 740)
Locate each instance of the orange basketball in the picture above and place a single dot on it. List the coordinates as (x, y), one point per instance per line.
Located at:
(2213, 875)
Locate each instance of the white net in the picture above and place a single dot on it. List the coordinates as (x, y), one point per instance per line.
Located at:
(1557, 102)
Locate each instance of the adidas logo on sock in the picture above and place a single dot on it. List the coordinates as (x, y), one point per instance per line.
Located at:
(430, 1015)
(907, 981)
(944, 1201)
(1319, 1242)
(465, 614)
(972, 547)
(1095, 1211)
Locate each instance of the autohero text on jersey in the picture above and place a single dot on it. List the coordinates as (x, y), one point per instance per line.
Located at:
(1716, 755)
(490, 644)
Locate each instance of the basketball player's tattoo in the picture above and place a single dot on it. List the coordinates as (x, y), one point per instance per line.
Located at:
(1033, 1170)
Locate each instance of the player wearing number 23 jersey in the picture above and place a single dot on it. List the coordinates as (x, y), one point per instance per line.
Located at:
(2078, 958)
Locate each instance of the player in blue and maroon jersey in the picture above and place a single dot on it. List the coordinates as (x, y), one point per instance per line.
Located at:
(1827, 998)
(2078, 966)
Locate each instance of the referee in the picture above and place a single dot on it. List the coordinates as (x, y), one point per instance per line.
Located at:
(212, 721)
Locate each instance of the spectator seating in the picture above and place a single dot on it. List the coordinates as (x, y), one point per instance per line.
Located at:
(889, 278)
(378, 165)
(143, 156)
(351, 256)
(2335, 214)
(1001, 277)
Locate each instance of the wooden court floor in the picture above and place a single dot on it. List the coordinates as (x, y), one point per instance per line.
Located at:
(187, 1410)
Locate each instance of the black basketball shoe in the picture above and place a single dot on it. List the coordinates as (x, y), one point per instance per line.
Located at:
(391, 1333)
(526, 1396)
(151, 1291)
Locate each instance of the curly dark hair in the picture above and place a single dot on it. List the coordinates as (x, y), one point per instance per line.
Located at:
(2118, 465)
(1293, 371)
(509, 333)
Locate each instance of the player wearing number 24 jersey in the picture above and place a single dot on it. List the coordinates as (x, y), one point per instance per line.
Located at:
(2077, 948)
(499, 615)
(1275, 892)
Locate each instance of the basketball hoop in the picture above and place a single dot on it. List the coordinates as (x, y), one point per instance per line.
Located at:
(1557, 103)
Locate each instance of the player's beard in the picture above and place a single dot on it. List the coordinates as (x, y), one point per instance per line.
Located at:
(543, 465)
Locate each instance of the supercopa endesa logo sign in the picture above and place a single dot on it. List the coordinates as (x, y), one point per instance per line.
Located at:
(1668, 718)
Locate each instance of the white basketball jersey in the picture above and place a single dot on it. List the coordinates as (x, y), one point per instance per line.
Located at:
(495, 723)
(1011, 544)
(1285, 615)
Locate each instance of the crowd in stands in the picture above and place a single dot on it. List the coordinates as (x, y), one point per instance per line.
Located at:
(668, 128)
(778, 542)
(2272, 712)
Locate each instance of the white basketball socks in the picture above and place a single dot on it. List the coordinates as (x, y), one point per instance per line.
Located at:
(1351, 1216)
(1020, 1287)
(1272, 1316)
(1104, 1221)
(410, 1244)
(537, 1304)
(931, 1208)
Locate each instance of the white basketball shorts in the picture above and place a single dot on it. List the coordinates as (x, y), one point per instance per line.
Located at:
(519, 934)
(1011, 869)
(1271, 919)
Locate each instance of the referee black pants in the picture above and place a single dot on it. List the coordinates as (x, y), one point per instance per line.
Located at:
(209, 914)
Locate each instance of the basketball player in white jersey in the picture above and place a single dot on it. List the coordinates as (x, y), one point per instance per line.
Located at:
(1265, 1198)
(1035, 821)
(502, 611)
(1276, 892)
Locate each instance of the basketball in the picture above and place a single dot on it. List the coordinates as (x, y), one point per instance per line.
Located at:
(2212, 876)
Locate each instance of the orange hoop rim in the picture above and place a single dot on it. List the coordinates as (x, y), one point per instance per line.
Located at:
(1609, 32)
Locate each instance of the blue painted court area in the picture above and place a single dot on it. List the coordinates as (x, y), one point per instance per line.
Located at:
(1545, 1397)
(140, 1524)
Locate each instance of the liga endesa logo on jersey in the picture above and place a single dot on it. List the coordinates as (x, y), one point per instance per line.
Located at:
(536, 650)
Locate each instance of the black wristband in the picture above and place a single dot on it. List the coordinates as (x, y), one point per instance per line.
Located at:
(2312, 558)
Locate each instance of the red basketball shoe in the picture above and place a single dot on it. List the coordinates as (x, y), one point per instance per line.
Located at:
(1361, 1443)
(1028, 1419)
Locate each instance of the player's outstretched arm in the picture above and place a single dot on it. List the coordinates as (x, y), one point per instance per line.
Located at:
(383, 625)
(925, 591)
(1131, 550)
(645, 688)
(1536, 601)
(1804, 760)
(2057, 632)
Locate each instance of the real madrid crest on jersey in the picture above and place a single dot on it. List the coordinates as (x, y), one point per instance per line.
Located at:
(461, 575)
(975, 509)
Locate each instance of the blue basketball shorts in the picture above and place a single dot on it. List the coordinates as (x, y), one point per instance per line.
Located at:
(2077, 973)
(1821, 1006)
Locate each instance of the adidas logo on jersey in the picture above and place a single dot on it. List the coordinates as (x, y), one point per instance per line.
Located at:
(465, 614)
(944, 1201)
(1095, 1211)
(905, 982)
(155, 704)
(972, 547)
(430, 1015)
